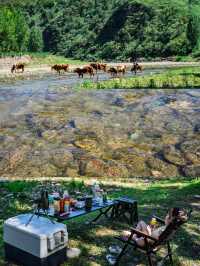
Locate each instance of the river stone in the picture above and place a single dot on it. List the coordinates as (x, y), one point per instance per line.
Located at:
(162, 169)
(62, 158)
(191, 146)
(17, 156)
(71, 172)
(169, 139)
(192, 170)
(192, 158)
(173, 156)
(48, 169)
(114, 169)
(50, 135)
(95, 167)
(51, 123)
(89, 145)
(136, 165)
(4, 166)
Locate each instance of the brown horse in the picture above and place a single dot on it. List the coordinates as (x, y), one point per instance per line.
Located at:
(18, 67)
(136, 67)
(58, 68)
(121, 69)
(98, 66)
(113, 71)
(103, 67)
(85, 70)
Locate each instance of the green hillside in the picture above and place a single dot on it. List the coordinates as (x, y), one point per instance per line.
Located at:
(92, 30)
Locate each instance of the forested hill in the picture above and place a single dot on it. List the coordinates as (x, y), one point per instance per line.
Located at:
(101, 29)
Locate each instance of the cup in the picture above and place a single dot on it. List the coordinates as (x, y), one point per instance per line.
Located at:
(88, 203)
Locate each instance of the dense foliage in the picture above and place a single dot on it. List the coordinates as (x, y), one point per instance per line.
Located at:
(114, 29)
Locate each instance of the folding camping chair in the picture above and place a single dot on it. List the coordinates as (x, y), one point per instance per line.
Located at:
(152, 245)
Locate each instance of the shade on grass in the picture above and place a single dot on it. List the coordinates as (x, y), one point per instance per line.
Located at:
(153, 198)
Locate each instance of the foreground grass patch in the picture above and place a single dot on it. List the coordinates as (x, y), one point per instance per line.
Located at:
(153, 198)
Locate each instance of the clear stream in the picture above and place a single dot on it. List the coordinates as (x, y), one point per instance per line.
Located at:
(49, 129)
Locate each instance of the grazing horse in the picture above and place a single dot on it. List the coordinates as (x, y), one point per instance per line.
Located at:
(17, 67)
(85, 70)
(58, 68)
(136, 67)
(98, 66)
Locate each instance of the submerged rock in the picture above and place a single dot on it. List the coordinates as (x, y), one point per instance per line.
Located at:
(192, 170)
(173, 156)
(162, 169)
(115, 133)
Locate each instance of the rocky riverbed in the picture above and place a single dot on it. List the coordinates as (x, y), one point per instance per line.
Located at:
(60, 131)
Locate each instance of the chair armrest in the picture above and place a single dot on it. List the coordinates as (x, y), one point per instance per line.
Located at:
(160, 220)
(139, 233)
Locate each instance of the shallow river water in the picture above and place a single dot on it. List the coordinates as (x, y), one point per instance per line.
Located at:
(47, 128)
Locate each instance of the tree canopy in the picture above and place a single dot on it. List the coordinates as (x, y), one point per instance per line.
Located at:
(115, 29)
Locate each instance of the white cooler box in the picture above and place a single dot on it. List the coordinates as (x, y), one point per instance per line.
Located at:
(40, 243)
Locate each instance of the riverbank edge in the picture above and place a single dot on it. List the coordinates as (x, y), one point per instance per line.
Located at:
(41, 71)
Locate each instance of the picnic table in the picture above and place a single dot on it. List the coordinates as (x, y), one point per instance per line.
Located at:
(103, 210)
(113, 209)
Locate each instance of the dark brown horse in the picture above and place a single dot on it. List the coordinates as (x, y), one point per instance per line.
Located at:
(18, 67)
(113, 71)
(98, 66)
(85, 70)
(136, 67)
(58, 68)
(116, 71)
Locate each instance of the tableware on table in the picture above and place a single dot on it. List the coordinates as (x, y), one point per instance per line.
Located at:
(88, 203)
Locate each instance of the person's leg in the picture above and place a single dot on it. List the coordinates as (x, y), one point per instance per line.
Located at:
(143, 227)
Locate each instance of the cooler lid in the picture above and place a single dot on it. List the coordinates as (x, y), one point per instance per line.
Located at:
(39, 226)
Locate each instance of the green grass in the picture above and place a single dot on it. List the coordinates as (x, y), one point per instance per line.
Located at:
(50, 59)
(176, 78)
(44, 58)
(153, 198)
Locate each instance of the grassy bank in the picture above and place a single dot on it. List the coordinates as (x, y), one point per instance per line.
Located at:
(42, 58)
(187, 77)
(94, 240)
(50, 59)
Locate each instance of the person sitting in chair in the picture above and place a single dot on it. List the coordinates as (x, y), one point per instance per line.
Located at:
(153, 229)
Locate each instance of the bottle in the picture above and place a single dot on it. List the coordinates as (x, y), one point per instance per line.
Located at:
(56, 205)
(62, 205)
(51, 206)
(153, 223)
(67, 206)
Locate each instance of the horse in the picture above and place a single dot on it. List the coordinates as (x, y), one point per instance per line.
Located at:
(113, 71)
(103, 67)
(17, 67)
(59, 67)
(85, 70)
(121, 69)
(98, 66)
(136, 67)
